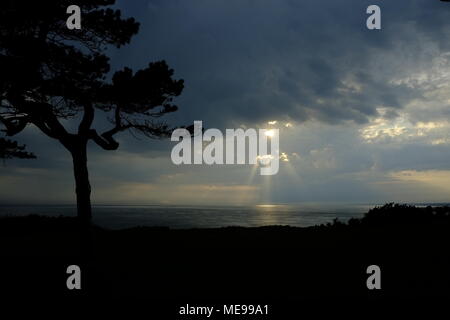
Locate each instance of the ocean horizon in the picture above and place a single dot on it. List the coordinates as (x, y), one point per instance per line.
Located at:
(194, 216)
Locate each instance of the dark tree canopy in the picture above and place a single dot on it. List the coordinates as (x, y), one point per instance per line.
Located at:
(11, 149)
(50, 73)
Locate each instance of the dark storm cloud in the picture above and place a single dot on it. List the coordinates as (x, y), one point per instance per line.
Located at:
(415, 157)
(251, 61)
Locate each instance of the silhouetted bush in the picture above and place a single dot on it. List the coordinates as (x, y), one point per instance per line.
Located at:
(402, 214)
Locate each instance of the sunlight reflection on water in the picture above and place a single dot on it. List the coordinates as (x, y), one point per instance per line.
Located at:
(117, 217)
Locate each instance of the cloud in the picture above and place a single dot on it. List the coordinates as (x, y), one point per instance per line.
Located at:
(364, 107)
(252, 61)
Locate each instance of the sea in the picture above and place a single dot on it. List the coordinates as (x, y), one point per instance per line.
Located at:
(188, 217)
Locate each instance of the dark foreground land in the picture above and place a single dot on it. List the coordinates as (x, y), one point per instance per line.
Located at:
(268, 265)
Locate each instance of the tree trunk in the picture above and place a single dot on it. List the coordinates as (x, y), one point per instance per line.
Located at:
(82, 185)
(78, 150)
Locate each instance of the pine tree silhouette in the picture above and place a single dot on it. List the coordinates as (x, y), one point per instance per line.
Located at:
(50, 73)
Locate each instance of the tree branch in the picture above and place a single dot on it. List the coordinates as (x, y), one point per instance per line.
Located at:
(105, 140)
(87, 120)
(42, 116)
(11, 149)
(14, 125)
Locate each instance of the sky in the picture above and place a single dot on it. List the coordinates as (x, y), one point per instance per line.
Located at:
(364, 115)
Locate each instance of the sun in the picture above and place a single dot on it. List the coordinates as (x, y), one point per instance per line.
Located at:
(270, 133)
